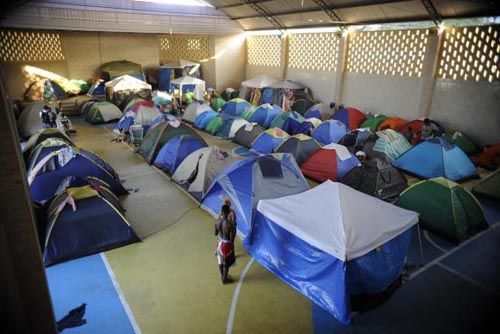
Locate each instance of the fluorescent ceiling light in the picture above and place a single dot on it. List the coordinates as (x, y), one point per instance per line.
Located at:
(199, 3)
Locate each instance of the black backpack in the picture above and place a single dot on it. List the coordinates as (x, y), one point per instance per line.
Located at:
(46, 117)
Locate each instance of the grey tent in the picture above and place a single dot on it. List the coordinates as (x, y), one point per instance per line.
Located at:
(300, 146)
(246, 135)
(199, 169)
(162, 133)
(377, 178)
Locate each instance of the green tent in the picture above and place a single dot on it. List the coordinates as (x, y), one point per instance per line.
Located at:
(373, 122)
(217, 103)
(461, 140)
(489, 187)
(279, 120)
(214, 125)
(248, 112)
(161, 134)
(445, 207)
(103, 112)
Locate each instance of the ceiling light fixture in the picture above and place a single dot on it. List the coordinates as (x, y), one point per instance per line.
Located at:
(198, 3)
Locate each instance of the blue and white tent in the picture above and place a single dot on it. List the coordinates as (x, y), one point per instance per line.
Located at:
(330, 131)
(436, 157)
(332, 248)
(247, 181)
(265, 114)
(175, 151)
(204, 118)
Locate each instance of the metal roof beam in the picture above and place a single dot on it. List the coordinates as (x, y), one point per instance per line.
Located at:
(264, 13)
(433, 14)
(315, 9)
(239, 4)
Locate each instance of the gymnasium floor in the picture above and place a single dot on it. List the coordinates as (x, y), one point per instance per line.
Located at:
(169, 282)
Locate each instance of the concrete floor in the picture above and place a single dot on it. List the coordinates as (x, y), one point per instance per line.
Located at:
(171, 279)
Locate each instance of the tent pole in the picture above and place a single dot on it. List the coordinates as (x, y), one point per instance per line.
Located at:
(422, 260)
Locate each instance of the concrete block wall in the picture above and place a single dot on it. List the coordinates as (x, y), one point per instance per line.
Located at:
(469, 106)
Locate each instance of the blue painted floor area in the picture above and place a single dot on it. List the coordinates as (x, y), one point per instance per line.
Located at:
(437, 301)
(480, 260)
(86, 280)
(491, 209)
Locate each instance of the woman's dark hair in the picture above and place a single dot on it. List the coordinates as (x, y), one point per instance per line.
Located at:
(225, 210)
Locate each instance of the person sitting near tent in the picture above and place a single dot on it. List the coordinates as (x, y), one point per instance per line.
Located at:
(188, 97)
(427, 131)
(225, 230)
(410, 135)
(48, 117)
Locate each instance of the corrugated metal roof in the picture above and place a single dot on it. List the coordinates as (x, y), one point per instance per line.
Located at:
(230, 16)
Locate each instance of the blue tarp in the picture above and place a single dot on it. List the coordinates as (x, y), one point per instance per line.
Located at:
(314, 273)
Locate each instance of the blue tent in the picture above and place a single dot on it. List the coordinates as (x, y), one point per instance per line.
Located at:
(230, 126)
(330, 131)
(247, 181)
(175, 151)
(265, 114)
(436, 157)
(93, 224)
(97, 89)
(332, 249)
(235, 107)
(295, 126)
(53, 166)
(204, 118)
(268, 140)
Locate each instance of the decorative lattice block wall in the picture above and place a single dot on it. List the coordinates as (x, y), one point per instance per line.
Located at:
(189, 47)
(264, 50)
(471, 53)
(21, 46)
(313, 51)
(396, 52)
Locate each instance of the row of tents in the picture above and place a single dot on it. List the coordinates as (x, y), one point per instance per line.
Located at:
(269, 194)
(76, 193)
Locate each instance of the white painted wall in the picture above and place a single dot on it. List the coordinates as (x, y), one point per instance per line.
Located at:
(471, 107)
(230, 65)
(320, 83)
(252, 71)
(383, 94)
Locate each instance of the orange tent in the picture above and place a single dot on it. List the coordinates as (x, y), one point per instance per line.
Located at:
(395, 123)
(490, 157)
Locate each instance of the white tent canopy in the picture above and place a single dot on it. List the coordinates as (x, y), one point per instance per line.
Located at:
(127, 82)
(199, 85)
(287, 84)
(179, 63)
(259, 81)
(329, 218)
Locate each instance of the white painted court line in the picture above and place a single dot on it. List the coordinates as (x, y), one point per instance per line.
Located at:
(468, 279)
(428, 238)
(453, 250)
(130, 315)
(236, 294)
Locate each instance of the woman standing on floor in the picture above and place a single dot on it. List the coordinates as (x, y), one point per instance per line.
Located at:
(225, 230)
